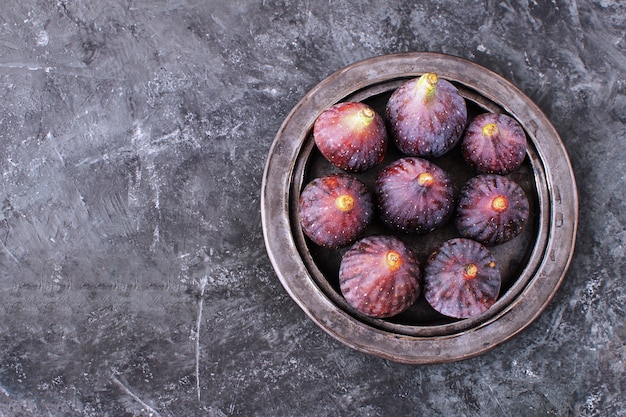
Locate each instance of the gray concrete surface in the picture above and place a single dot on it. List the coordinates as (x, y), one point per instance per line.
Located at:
(134, 279)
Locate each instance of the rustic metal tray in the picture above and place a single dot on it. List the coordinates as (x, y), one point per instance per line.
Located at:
(533, 265)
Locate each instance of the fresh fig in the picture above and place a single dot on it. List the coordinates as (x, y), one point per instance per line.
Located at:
(492, 209)
(414, 195)
(351, 136)
(494, 143)
(379, 276)
(334, 210)
(461, 278)
(426, 116)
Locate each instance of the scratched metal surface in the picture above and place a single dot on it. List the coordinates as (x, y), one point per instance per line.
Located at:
(133, 275)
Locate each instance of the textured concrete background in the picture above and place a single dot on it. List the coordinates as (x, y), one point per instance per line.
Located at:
(133, 275)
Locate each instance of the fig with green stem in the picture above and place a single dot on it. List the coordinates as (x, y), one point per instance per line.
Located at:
(426, 116)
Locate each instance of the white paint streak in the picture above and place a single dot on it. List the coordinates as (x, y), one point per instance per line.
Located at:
(145, 149)
(151, 411)
(203, 283)
(156, 234)
(8, 252)
(50, 138)
(26, 66)
(495, 397)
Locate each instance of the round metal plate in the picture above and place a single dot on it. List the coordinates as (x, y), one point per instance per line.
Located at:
(533, 264)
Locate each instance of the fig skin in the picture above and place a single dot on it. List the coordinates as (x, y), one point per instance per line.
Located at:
(413, 195)
(494, 143)
(426, 116)
(379, 276)
(351, 135)
(334, 210)
(461, 278)
(491, 209)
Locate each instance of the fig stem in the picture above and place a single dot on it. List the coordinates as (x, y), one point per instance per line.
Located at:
(425, 179)
(393, 260)
(344, 202)
(427, 84)
(499, 203)
(490, 130)
(366, 115)
(470, 271)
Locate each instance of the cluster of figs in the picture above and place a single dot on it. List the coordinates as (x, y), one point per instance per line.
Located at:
(425, 117)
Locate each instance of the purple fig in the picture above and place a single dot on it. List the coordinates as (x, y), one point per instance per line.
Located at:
(351, 136)
(426, 116)
(414, 195)
(461, 279)
(379, 276)
(494, 143)
(334, 210)
(492, 209)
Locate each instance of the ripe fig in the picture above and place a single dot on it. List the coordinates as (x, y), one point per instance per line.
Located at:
(426, 116)
(461, 279)
(379, 276)
(414, 195)
(351, 136)
(492, 209)
(334, 210)
(494, 143)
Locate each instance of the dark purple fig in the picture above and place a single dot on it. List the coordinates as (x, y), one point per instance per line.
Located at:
(461, 279)
(379, 276)
(426, 116)
(351, 136)
(492, 209)
(334, 210)
(494, 143)
(414, 195)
